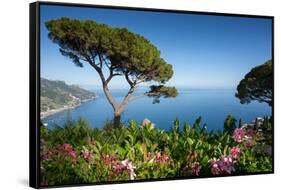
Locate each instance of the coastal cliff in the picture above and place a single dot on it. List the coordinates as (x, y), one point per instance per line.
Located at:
(58, 96)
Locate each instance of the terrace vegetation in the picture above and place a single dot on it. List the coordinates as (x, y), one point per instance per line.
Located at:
(76, 153)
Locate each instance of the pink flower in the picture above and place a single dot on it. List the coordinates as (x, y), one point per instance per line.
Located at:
(66, 147)
(165, 157)
(108, 159)
(50, 152)
(215, 170)
(213, 161)
(214, 166)
(158, 156)
(72, 154)
(226, 164)
(239, 134)
(85, 154)
(128, 165)
(48, 155)
(124, 165)
(149, 156)
(68, 150)
(195, 168)
(235, 152)
(44, 157)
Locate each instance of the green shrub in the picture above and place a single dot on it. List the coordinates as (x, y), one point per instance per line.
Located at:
(76, 153)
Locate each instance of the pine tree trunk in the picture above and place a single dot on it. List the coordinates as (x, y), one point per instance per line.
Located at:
(117, 120)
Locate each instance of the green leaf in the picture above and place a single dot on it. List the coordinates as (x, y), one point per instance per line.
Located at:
(225, 150)
(189, 140)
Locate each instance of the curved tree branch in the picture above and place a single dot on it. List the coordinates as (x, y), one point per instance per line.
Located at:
(126, 99)
(128, 79)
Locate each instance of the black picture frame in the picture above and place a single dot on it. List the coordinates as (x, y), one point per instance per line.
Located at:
(34, 86)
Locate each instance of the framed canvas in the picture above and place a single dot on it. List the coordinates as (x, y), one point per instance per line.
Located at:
(121, 95)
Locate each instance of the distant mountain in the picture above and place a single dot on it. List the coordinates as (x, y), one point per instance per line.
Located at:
(57, 96)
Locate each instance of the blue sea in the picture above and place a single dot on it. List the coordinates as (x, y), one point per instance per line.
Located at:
(212, 104)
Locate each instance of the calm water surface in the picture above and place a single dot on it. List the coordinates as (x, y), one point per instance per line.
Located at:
(212, 105)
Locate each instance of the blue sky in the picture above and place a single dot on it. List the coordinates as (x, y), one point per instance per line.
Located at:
(205, 51)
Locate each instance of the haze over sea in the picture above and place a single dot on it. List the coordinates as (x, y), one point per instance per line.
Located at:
(212, 104)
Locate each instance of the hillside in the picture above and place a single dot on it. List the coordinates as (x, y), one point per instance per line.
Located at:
(57, 96)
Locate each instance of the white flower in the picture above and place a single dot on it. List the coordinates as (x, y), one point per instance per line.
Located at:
(128, 166)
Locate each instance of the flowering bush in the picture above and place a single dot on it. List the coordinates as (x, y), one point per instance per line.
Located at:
(76, 153)
(196, 168)
(239, 134)
(224, 165)
(235, 152)
(85, 154)
(158, 157)
(125, 165)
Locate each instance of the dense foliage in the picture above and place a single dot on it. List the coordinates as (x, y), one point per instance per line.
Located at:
(257, 85)
(158, 91)
(75, 153)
